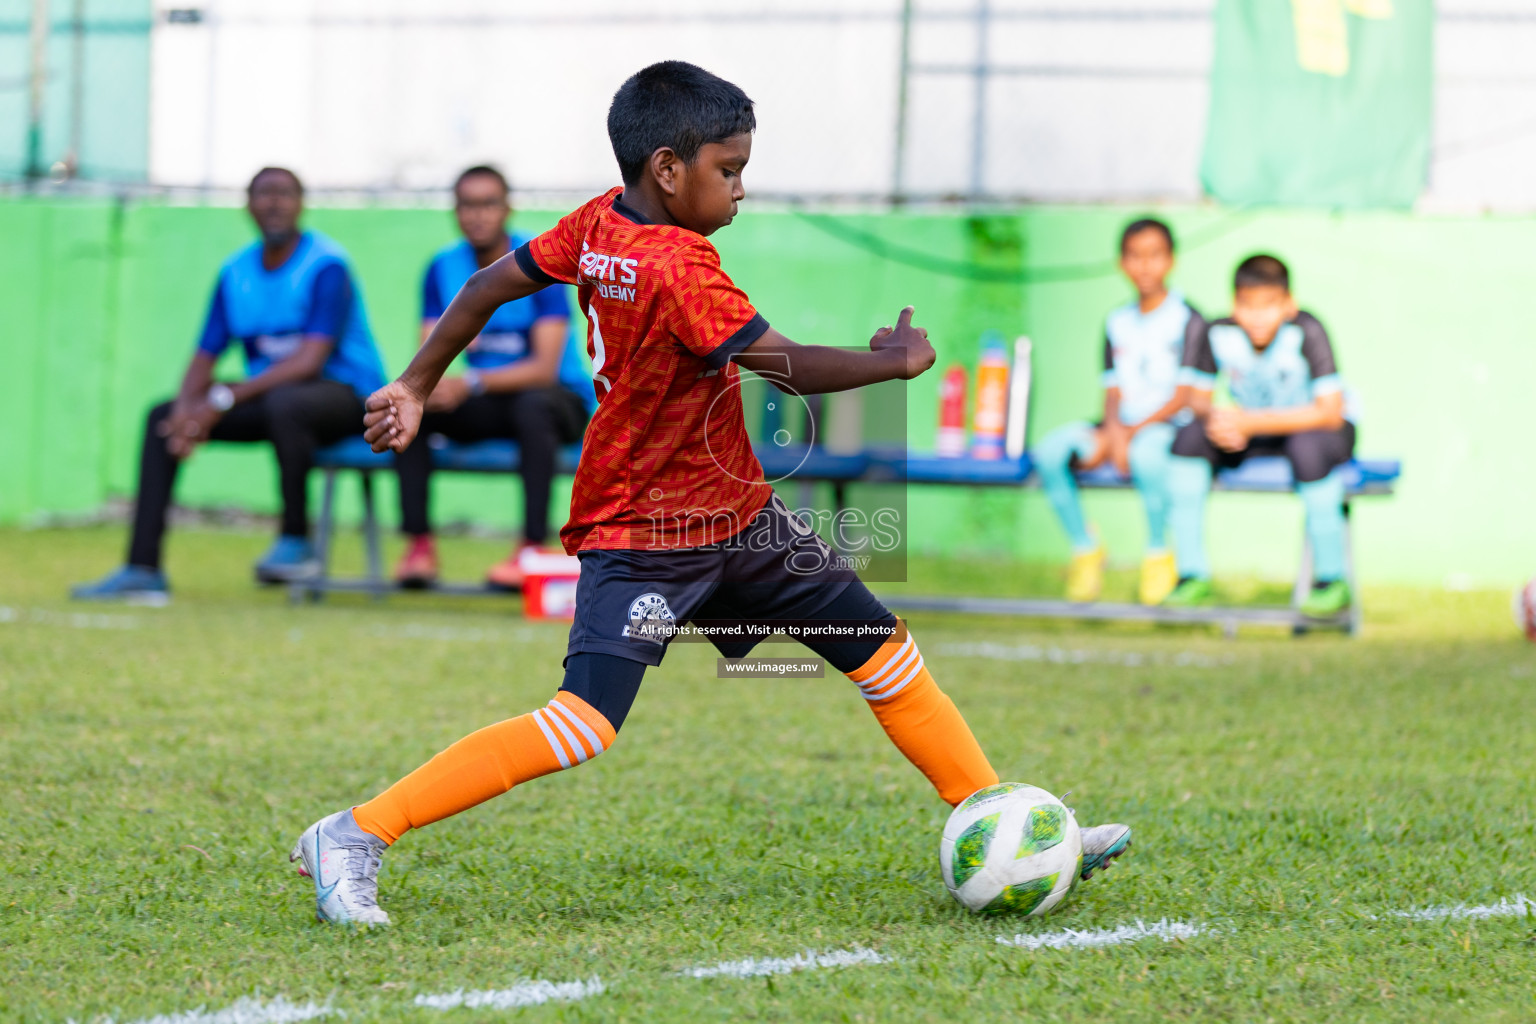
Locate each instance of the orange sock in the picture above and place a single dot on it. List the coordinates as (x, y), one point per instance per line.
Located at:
(922, 721)
(565, 732)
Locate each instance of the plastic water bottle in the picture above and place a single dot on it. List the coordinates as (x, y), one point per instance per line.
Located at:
(951, 440)
(991, 423)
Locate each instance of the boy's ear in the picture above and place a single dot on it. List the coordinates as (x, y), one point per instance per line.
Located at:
(664, 168)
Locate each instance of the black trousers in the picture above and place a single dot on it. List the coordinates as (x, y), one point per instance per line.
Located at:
(540, 420)
(1313, 454)
(296, 418)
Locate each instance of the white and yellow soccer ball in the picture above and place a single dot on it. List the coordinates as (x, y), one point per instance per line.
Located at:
(1011, 849)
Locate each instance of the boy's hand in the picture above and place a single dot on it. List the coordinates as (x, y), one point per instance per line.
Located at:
(1120, 448)
(1227, 429)
(918, 354)
(1100, 451)
(392, 417)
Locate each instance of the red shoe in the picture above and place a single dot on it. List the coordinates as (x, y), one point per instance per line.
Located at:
(507, 574)
(418, 567)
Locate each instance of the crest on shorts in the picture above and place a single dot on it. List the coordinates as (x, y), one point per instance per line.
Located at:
(650, 618)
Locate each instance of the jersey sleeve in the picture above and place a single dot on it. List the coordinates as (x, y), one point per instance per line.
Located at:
(705, 310)
(555, 256)
(1317, 350)
(552, 302)
(1197, 368)
(432, 304)
(215, 337)
(1111, 378)
(330, 302)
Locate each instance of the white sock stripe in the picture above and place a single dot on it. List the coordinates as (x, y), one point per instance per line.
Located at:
(902, 654)
(554, 744)
(896, 669)
(565, 730)
(898, 686)
(594, 742)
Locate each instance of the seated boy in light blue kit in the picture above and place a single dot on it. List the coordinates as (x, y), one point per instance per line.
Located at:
(1279, 367)
(1145, 343)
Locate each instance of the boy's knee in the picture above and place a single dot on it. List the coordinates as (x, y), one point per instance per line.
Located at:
(1191, 443)
(1311, 455)
(1149, 450)
(1054, 452)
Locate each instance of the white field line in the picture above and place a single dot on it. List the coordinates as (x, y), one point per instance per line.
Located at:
(528, 993)
(248, 1010)
(757, 967)
(1072, 656)
(74, 620)
(451, 634)
(1520, 906)
(1070, 938)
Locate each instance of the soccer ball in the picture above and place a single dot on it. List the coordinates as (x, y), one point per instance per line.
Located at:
(1525, 610)
(1011, 848)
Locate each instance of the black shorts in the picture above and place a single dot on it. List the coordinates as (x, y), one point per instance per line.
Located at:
(1313, 454)
(777, 570)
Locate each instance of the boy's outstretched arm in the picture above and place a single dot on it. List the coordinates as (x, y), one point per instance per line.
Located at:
(895, 353)
(393, 413)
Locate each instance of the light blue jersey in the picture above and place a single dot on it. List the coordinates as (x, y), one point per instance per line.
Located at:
(1143, 353)
(270, 311)
(505, 339)
(1292, 371)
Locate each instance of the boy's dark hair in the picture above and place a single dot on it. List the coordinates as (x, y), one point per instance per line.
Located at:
(1261, 271)
(677, 106)
(489, 172)
(1136, 227)
(274, 170)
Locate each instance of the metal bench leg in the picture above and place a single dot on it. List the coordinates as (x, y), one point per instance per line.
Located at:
(1303, 585)
(323, 531)
(371, 539)
(1356, 613)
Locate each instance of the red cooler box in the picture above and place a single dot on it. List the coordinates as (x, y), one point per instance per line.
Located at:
(549, 584)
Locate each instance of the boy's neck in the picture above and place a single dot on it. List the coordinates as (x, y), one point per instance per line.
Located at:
(1151, 300)
(647, 202)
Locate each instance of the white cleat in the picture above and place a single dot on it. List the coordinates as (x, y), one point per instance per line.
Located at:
(344, 862)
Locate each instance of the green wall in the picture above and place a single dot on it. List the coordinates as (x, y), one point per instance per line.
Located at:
(102, 304)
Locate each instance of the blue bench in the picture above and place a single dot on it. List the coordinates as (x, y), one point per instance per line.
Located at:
(779, 462)
(876, 465)
(1259, 475)
(355, 455)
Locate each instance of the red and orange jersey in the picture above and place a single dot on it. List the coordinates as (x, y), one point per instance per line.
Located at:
(667, 461)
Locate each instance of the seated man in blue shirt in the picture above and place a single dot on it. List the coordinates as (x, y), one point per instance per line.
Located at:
(524, 380)
(291, 302)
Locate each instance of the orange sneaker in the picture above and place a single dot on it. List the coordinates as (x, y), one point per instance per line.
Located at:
(418, 566)
(507, 574)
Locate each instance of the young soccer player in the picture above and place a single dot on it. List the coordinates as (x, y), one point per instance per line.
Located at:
(670, 514)
(1144, 344)
(524, 380)
(1289, 400)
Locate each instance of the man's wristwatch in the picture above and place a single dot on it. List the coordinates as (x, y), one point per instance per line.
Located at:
(221, 397)
(475, 381)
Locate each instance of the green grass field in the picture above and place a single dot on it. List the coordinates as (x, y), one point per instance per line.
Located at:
(1290, 798)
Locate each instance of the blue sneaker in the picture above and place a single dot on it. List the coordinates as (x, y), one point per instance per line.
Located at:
(288, 559)
(132, 584)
